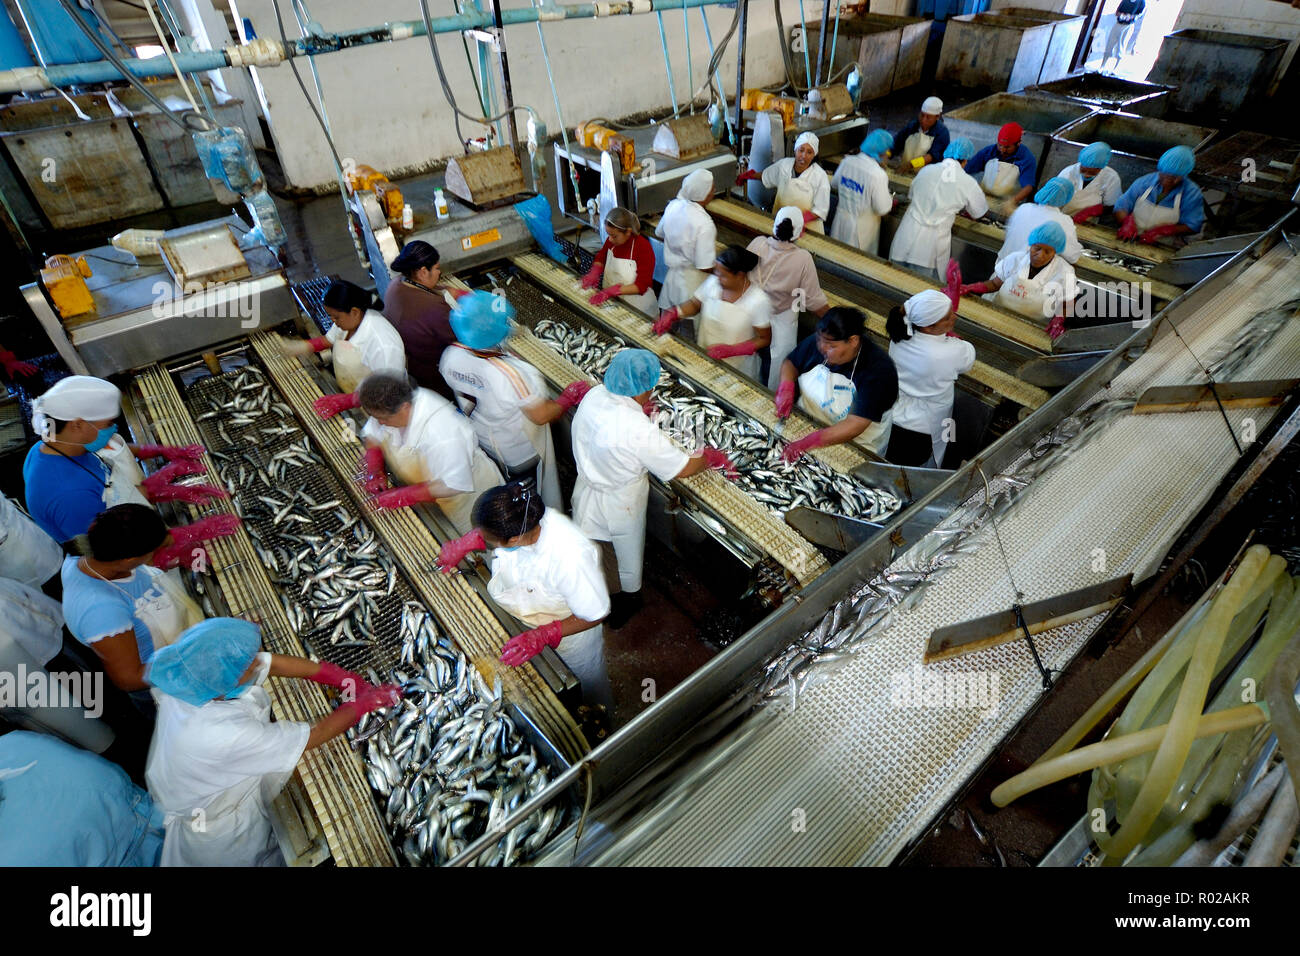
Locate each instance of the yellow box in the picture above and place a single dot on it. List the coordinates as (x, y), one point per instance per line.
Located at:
(65, 280)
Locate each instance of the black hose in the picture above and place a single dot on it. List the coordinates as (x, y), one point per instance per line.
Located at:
(311, 103)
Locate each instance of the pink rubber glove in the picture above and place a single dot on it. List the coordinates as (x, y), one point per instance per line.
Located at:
(171, 452)
(592, 278)
(809, 217)
(795, 449)
(459, 294)
(374, 698)
(573, 394)
(731, 351)
(784, 399)
(975, 288)
(604, 295)
(190, 494)
(746, 176)
(404, 497)
(718, 459)
(1128, 229)
(169, 556)
(667, 319)
(1083, 215)
(331, 675)
(522, 648)
(372, 466)
(319, 344)
(205, 529)
(1056, 328)
(953, 290)
(454, 552)
(13, 367)
(1151, 235)
(327, 406)
(650, 408)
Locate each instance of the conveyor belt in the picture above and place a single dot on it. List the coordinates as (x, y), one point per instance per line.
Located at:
(460, 611)
(332, 774)
(865, 756)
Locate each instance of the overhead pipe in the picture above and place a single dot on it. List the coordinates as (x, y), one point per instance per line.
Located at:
(270, 52)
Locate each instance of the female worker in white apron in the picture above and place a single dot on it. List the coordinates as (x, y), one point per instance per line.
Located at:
(1096, 185)
(1163, 203)
(548, 574)
(798, 182)
(1046, 207)
(788, 275)
(940, 191)
(928, 361)
(217, 760)
(690, 239)
(844, 380)
(625, 265)
(429, 445)
(504, 397)
(361, 341)
(862, 186)
(1036, 282)
(735, 314)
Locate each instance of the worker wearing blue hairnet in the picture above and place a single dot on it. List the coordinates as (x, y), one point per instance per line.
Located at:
(1163, 203)
(1036, 282)
(862, 186)
(1045, 208)
(616, 448)
(1097, 186)
(217, 759)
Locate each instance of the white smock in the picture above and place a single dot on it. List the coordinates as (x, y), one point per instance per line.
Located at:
(214, 771)
(730, 323)
(863, 189)
(1001, 178)
(809, 191)
(1028, 217)
(917, 145)
(1039, 298)
(1149, 215)
(27, 553)
(615, 447)
(1104, 189)
(939, 192)
(620, 272)
(493, 391)
(928, 366)
(438, 444)
(124, 474)
(827, 397)
(690, 247)
(557, 576)
(372, 347)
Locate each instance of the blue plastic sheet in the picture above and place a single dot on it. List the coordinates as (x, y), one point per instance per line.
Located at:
(536, 213)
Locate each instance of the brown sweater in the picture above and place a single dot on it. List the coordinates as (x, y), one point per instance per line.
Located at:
(423, 320)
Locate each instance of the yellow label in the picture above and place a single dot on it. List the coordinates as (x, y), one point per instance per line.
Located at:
(480, 239)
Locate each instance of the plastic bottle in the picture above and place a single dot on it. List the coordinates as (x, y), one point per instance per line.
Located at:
(440, 203)
(408, 216)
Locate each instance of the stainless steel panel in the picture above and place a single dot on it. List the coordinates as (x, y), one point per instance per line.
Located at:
(1217, 73)
(1136, 142)
(1040, 116)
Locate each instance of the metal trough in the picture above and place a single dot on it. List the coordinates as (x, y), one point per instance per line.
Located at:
(1217, 73)
(1041, 116)
(1101, 91)
(1136, 142)
(1065, 38)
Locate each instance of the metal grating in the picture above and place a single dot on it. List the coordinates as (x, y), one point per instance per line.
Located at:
(310, 295)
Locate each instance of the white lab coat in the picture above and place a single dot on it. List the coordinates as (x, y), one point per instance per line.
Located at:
(27, 553)
(374, 346)
(809, 191)
(1038, 298)
(615, 447)
(1029, 217)
(863, 189)
(939, 192)
(214, 771)
(927, 367)
(438, 444)
(690, 248)
(1104, 189)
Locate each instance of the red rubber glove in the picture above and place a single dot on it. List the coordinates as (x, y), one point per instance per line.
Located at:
(319, 344)
(171, 452)
(1056, 328)
(667, 319)
(327, 406)
(170, 556)
(372, 466)
(404, 497)
(454, 552)
(158, 486)
(1151, 235)
(331, 675)
(573, 394)
(205, 529)
(1128, 229)
(809, 217)
(604, 295)
(522, 648)
(795, 449)
(373, 698)
(784, 399)
(592, 278)
(13, 367)
(731, 351)
(976, 288)
(190, 494)
(718, 459)
(746, 176)
(1083, 215)
(650, 408)
(953, 290)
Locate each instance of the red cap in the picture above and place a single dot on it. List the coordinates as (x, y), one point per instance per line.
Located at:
(1010, 133)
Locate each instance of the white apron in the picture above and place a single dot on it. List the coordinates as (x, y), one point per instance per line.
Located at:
(1085, 196)
(349, 370)
(799, 192)
(623, 272)
(726, 323)
(616, 515)
(932, 412)
(1001, 179)
(1024, 296)
(548, 475)
(168, 614)
(785, 335)
(408, 464)
(124, 474)
(1148, 215)
(916, 145)
(827, 396)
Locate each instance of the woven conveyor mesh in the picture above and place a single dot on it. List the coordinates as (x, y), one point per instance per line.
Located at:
(869, 775)
(332, 774)
(459, 610)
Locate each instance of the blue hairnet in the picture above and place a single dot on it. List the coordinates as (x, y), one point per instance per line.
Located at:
(877, 142)
(481, 320)
(1049, 234)
(959, 148)
(1055, 192)
(207, 660)
(632, 372)
(1095, 155)
(1178, 161)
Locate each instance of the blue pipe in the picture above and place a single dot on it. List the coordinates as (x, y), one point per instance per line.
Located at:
(668, 66)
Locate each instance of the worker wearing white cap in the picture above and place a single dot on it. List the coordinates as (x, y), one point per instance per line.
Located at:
(924, 237)
(690, 239)
(787, 273)
(923, 140)
(862, 186)
(1046, 207)
(1097, 186)
(799, 182)
(928, 361)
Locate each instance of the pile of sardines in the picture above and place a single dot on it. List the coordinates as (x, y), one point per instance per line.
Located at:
(449, 763)
(694, 420)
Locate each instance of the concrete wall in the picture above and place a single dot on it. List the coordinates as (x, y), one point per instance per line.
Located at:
(386, 108)
(1052, 6)
(1266, 18)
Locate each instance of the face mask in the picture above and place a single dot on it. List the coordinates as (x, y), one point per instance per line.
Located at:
(101, 438)
(263, 661)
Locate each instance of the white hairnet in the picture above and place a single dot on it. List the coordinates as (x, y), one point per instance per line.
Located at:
(77, 396)
(696, 186)
(795, 215)
(810, 139)
(926, 308)
(932, 105)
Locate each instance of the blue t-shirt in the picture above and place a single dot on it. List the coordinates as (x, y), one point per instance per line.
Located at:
(938, 131)
(1022, 158)
(1191, 213)
(95, 609)
(64, 494)
(875, 380)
